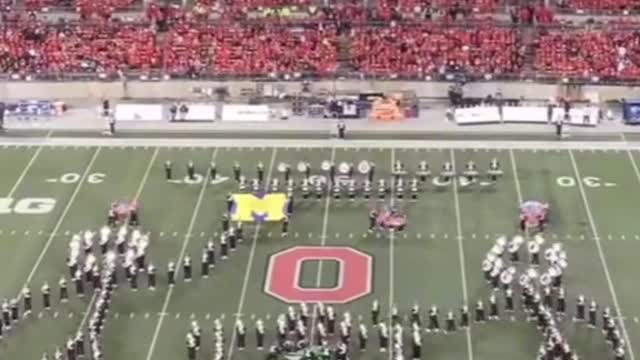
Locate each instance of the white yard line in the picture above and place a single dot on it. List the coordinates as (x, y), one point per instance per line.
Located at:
(252, 253)
(60, 220)
(603, 260)
(183, 250)
(392, 240)
(323, 242)
(516, 180)
(634, 165)
(143, 182)
(463, 270)
(24, 172)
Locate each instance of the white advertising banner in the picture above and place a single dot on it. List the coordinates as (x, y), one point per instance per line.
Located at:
(477, 115)
(138, 112)
(246, 113)
(524, 114)
(200, 112)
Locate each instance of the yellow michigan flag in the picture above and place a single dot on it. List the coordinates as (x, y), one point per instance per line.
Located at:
(258, 207)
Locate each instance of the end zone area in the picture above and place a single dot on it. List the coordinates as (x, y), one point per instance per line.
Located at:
(51, 192)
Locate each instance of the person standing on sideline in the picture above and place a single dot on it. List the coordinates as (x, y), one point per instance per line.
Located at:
(342, 129)
(112, 124)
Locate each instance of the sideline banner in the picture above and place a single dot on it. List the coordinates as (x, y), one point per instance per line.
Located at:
(477, 115)
(587, 116)
(200, 112)
(524, 114)
(34, 108)
(240, 113)
(631, 112)
(138, 112)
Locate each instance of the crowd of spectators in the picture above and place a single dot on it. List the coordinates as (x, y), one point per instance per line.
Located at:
(251, 50)
(426, 49)
(589, 53)
(391, 38)
(33, 47)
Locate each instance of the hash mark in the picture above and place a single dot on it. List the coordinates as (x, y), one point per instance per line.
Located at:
(207, 317)
(177, 315)
(419, 236)
(175, 233)
(623, 237)
(432, 235)
(13, 232)
(351, 235)
(609, 237)
(55, 314)
(202, 234)
(146, 315)
(486, 236)
(269, 234)
(27, 232)
(131, 315)
(40, 232)
(473, 236)
(446, 236)
(116, 315)
(296, 234)
(193, 316)
(161, 233)
(67, 232)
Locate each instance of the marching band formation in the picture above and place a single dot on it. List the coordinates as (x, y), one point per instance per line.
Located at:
(120, 253)
(339, 181)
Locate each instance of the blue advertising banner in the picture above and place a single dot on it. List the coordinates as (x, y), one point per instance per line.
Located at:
(631, 112)
(32, 108)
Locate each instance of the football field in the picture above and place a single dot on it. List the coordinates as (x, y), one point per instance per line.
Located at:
(49, 192)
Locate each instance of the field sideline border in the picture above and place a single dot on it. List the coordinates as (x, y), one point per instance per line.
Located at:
(344, 144)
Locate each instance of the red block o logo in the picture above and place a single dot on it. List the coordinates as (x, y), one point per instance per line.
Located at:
(285, 267)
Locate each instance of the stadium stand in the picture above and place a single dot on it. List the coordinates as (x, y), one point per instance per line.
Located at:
(419, 50)
(251, 50)
(385, 38)
(583, 53)
(36, 47)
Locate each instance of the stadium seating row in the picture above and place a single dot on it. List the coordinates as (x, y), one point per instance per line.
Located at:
(399, 51)
(382, 8)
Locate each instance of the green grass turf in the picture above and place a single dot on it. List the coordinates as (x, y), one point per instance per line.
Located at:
(445, 242)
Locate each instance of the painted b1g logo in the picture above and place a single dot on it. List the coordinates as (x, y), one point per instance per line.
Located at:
(355, 270)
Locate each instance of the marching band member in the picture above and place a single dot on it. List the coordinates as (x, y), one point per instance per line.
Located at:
(580, 309)
(434, 324)
(362, 337)
(375, 312)
(534, 252)
(414, 189)
(382, 189)
(423, 171)
(494, 170)
(450, 323)
(493, 308)
(367, 189)
(399, 188)
(383, 337)
(259, 334)
(305, 189)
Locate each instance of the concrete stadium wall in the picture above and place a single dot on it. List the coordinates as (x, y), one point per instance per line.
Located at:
(183, 89)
